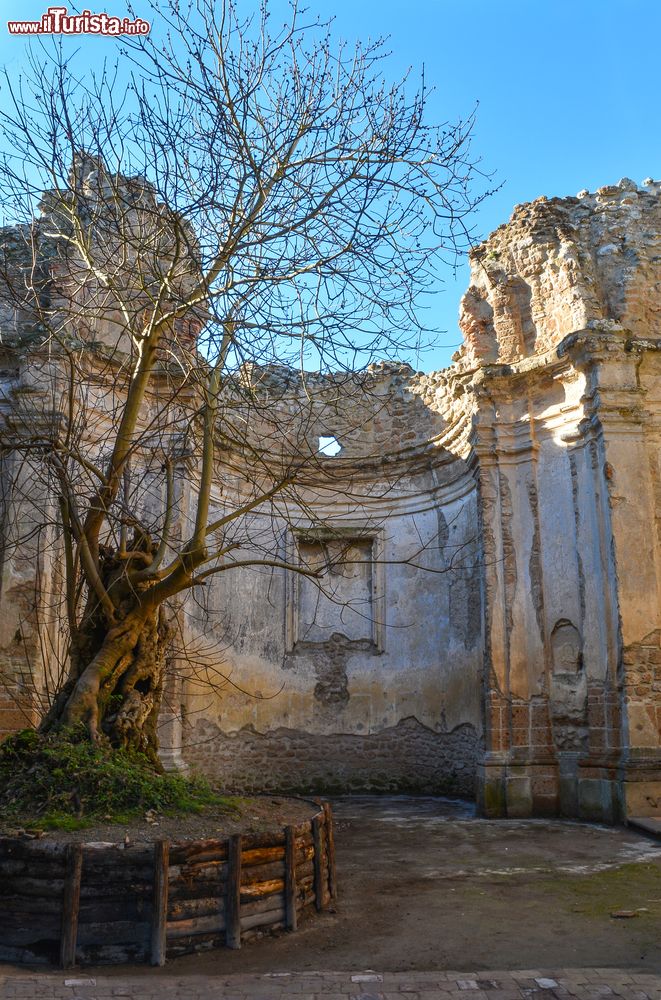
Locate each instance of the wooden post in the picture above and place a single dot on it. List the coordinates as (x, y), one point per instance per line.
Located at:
(290, 878)
(71, 905)
(330, 846)
(160, 902)
(317, 830)
(233, 898)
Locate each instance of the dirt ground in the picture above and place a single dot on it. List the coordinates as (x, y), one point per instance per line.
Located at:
(250, 814)
(424, 885)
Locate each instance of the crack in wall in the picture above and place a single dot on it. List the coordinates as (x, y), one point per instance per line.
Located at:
(535, 561)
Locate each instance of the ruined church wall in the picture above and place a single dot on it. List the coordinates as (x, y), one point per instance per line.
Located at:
(562, 336)
(488, 618)
(561, 265)
(552, 612)
(31, 591)
(380, 691)
(629, 385)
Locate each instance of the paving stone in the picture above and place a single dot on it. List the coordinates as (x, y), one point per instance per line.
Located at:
(510, 985)
(504, 992)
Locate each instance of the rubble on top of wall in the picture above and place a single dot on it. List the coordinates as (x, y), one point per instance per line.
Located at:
(561, 265)
(558, 266)
(85, 269)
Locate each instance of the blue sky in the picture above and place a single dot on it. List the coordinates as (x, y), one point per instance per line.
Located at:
(569, 92)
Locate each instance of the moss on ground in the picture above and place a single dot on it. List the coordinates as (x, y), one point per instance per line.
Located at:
(633, 887)
(62, 781)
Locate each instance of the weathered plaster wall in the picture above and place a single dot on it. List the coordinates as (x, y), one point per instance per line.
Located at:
(369, 679)
(30, 596)
(491, 615)
(562, 323)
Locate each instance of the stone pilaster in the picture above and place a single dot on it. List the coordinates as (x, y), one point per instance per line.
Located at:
(519, 773)
(31, 659)
(625, 731)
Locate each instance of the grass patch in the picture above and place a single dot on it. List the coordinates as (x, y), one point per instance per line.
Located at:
(630, 886)
(62, 781)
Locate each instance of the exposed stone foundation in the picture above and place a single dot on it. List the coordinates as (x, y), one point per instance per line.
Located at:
(408, 757)
(17, 711)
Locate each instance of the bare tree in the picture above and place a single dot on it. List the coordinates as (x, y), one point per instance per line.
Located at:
(237, 199)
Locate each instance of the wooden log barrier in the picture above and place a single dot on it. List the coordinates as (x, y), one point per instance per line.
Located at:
(71, 905)
(318, 837)
(233, 896)
(290, 879)
(198, 852)
(330, 845)
(210, 924)
(109, 903)
(160, 902)
(262, 855)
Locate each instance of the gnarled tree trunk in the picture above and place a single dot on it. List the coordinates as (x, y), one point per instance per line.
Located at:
(115, 681)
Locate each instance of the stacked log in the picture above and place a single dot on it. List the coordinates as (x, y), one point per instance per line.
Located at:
(110, 904)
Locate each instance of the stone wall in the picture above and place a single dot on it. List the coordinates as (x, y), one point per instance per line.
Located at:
(489, 618)
(408, 757)
(369, 678)
(561, 321)
(561, 265)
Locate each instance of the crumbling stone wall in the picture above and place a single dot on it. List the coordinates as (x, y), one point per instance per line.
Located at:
(493, 532)
(561, 265)
(561, 334)
(384, 660)
(407, 757)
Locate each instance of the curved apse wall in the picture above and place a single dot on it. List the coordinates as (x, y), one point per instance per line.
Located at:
(368, 677)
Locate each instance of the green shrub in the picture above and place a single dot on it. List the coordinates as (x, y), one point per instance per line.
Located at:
(62, 779)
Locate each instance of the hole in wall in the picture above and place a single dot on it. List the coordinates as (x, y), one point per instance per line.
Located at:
(329, 445)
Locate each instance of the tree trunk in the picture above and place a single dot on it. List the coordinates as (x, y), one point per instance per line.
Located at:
(116, 680)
